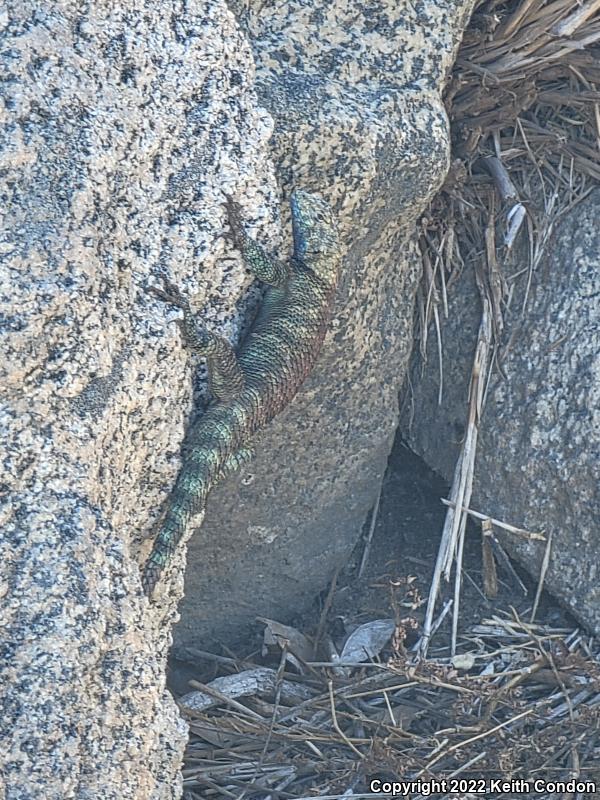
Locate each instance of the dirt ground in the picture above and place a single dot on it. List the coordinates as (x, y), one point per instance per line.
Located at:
(404, 547)
(524, 702)
(405, 543)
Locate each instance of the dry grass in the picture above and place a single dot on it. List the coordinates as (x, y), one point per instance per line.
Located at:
(525, 113)
(508, 698)
(520, 701)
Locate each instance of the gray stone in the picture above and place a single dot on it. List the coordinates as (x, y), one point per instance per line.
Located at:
(538, 456)
(355, 94)
(123, 125)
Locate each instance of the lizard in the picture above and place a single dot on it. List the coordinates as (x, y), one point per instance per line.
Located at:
(251, 387)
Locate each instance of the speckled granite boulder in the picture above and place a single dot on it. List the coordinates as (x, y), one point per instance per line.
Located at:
(538, 463)
(354, 91)
(122, 124)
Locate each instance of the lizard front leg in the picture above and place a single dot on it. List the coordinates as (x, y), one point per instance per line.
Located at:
(267, 269)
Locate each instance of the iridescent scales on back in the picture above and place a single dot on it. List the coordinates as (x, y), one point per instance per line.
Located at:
(250, 388)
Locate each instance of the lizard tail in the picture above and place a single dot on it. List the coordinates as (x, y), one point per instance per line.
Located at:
(150, 576)
(187, 498)
(169, 534)
(171, 530)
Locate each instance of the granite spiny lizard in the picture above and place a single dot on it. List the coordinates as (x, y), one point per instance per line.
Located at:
(249, 389)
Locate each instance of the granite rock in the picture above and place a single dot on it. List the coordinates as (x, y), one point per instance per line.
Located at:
(538, 454)
(123, 126)
(354, 91)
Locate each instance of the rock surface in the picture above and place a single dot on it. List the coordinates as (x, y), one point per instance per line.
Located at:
(354, 91)
(538, 455)
(122, 127)
(122, 124)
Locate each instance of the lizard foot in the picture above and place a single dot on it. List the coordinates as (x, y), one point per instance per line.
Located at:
(170, 294)
(236, 233)
(195, 335)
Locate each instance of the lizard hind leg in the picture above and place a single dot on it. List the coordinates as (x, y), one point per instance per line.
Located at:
(235, 461)
(225, 376)
(170, 293)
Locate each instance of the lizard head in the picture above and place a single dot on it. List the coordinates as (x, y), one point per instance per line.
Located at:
(316, 241)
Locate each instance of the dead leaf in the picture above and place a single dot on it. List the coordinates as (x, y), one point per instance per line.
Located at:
(287, 638)
(367, 641)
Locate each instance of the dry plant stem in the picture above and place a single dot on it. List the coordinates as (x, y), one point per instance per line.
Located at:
(369, 540)
(438, 336)
(422, 320)
(543, 571)
(503, 558)
(497, 170)
(458, 579)
(468, 764)
(389, 708)
(432, 306)
(215, 787)
(483, 735)
(474, 585)
(460, 493)
(204, 655)
(417, 648)
(512, 23)
(432, 293)
(450, 245)
(336, 723)
(490, 576)
(327, 605)
(499, 523)
(518, 679)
